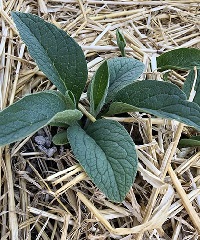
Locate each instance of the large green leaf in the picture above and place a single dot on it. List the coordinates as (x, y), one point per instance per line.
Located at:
(28, 115)
(182, 58)
(107, 153)
(123, 71)
(188, 84)
(162, 99)
(99, 88)
(55, 52)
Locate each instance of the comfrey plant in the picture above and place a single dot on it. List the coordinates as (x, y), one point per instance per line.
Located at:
(103, 147)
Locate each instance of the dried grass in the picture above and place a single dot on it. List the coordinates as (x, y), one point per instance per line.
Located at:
(50, 197)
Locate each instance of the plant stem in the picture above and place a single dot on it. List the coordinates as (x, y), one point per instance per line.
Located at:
(86, 113)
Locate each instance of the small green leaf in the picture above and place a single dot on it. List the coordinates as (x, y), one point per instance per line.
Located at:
(28, 115)
(120, 107)
(123, 71)
(190, 142)
(166, 76)
(187, 87)
(121, 42)
(70, 100)
(60, 138)
(57, 54)
(107, 153)
(67, 117)
(99, 88)
(162, 99)
(182, 58)
(197, 138)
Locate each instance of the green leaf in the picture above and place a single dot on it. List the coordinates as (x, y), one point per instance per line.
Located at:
(187, 87)
(197, 138)
(60, 138)
(70, 100)
(123, 71)
(28, 115)
(67, 117)
(107, 153)
(182, 58)
(121, 42)
(57, 54)
(120, 107)
(162, 99)
(190, 142)
(99, 88)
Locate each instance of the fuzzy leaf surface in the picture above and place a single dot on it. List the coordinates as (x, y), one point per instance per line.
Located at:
(162, 99)
(188, 84)
(107, 154)
(123, 71)
(57, 54)
(28, 115)
(182, 58)
(99, 88)
(67, 117)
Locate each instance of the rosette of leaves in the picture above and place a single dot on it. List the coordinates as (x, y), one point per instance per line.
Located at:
(103, 147)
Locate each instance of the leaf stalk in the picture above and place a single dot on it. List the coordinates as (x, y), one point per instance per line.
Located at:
(86, 113)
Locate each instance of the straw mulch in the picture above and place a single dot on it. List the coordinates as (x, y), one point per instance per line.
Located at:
(44, 192)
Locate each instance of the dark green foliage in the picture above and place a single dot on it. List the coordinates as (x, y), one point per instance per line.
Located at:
(104, 148)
